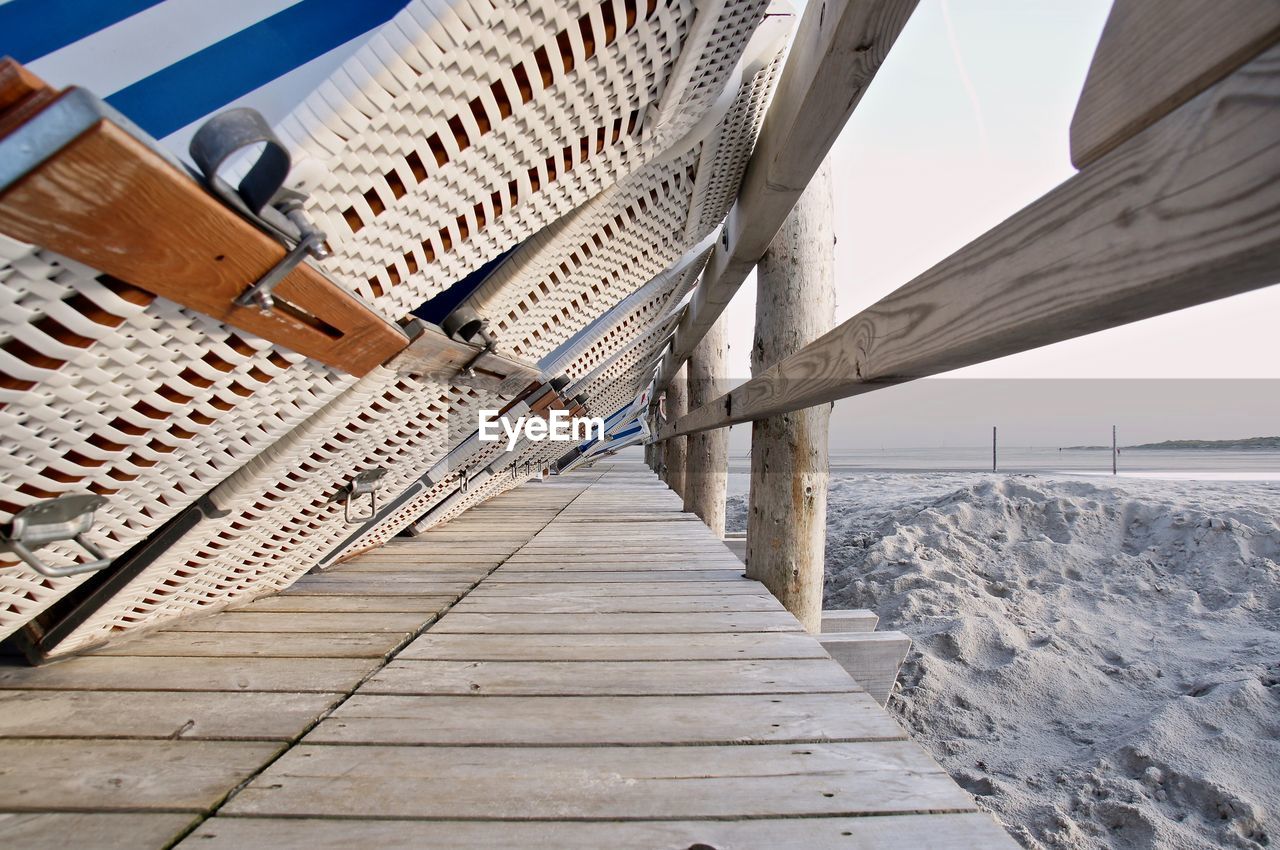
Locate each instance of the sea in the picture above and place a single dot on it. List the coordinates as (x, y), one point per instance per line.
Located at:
(1170, 464)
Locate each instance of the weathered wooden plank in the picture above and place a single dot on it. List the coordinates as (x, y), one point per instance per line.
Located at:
(616, 678)
(607, 560)
(935, 832)
(110, 202)
(160, 714)
(618, 604)
(106, 830)
(627, 647)
(435, 356)
(440, 547)
(377, 562)
(584, 624)
(602, 782)
(1185, 212)
(115, 673)
(124, 775)
(229, 644)
(378, 588)
(575, 590)
(835, 621)
(1154, 56)
(402, 574)
(425, 604)
(611, 574)
(253, 620)
(581, 721)
(872, 658)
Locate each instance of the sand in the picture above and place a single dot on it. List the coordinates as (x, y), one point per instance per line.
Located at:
(1098, 662)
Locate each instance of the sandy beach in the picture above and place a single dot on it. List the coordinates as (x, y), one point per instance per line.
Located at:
(1097, 660)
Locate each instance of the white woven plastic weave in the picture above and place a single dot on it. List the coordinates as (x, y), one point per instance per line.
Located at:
(107, 389)
(459, 131)
(285, 507)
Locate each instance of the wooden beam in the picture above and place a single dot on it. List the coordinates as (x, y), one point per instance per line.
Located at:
(1186, 212)
(706, 477)
(1155, 55)
(435, 355)
(106, 199)
(675, 452)
(838, 49)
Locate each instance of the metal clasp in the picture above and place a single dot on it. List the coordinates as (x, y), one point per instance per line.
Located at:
(364, 484)
(51, 521)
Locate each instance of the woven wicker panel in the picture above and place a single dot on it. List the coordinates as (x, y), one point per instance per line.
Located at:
(725, 154)
(582, 266)
(285, 510)
(105, 388)
(647, 317)
(456, 133)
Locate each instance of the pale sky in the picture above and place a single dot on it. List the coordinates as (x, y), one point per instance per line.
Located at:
(927, 164)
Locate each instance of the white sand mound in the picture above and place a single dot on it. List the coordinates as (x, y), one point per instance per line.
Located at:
(1099, 664)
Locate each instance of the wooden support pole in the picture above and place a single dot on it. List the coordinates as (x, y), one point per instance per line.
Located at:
(707, 474)
(795, 304)
(674, 449)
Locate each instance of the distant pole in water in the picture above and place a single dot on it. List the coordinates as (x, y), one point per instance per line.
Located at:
(1114, 451)
(993, 448)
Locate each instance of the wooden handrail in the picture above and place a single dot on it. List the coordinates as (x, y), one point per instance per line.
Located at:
(1155, 55)
(1186, 212)
(838, 49)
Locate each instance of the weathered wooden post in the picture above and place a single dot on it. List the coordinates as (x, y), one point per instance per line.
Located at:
(795, 304)
(673, 450)
(707, 471)
(651, 448)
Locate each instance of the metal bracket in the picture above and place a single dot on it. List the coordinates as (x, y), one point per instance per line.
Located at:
(364, 484)
(468, 369)
(259, 294)
(51, 521)
(262, 196)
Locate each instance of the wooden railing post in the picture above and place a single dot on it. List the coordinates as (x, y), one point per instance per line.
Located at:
(795, 304)
(674, 449)
(707, 474)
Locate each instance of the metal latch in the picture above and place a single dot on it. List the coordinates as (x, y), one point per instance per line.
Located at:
(364, 484)
(51, 521)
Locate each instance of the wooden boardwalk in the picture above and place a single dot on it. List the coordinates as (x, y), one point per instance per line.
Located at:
(575, 664)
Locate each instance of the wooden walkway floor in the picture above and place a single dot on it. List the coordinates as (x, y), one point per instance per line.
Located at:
(575, 664)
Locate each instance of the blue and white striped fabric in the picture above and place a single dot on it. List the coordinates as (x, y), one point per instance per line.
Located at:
(169, 64)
